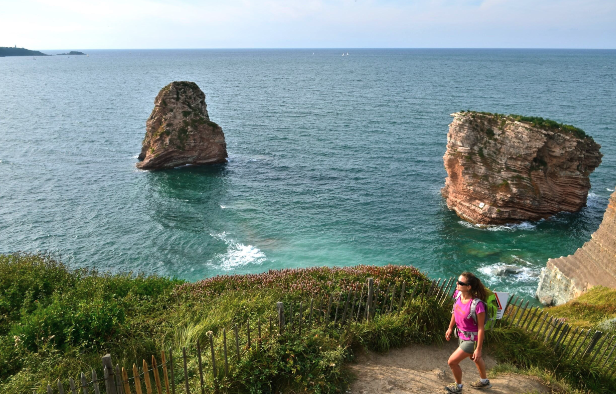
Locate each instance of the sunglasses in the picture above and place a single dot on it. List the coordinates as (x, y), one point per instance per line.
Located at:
(463, 284)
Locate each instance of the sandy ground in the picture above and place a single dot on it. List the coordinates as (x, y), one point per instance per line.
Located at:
(423, 369)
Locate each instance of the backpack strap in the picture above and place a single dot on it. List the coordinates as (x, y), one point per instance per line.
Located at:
(455, 299)
(473, 311)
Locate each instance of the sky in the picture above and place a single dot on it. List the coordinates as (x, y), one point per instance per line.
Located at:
(152, 24)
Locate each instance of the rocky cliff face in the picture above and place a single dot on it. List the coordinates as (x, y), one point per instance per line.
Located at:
(179, 130)
(508, 169)
(594, 264)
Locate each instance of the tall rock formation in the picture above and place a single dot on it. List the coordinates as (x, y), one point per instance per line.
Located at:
(179, 130)
(594, 264)
(508, 169)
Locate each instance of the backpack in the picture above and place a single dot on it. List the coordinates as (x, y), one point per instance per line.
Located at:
(491, 306)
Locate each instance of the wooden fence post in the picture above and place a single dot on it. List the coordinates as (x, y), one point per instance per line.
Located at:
(369, 306)
(280, 307)
(224, 348)
(329, 308)
(137, 380)
(95, 382)
(595, 338)
(402, 291)
(237, 342)
(118, 379)
(581, 344)
(599, 345)
(172, 370)
(361, 297)
(185, 370)
(211, 335)
(84, 384)
(125, 382)
(301, 305)
(109, 378)
(310, 316)
(60, 387)
(146, 378)
(71, 383)
(200, 365)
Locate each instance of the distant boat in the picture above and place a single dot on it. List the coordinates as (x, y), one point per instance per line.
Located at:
(347, 54)
(342, 53)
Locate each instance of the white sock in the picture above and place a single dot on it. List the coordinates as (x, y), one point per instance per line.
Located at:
(484, 381)
(460, 385)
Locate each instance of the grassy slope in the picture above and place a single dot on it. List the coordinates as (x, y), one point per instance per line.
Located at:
(56, 323)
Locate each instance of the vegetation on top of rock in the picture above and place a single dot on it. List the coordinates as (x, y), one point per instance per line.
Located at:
(71, 53)
(14, 51)
(536, 121)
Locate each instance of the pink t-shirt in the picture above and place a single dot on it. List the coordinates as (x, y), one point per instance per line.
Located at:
(461, 311)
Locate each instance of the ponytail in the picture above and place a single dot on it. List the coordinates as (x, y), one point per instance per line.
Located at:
(478, 290)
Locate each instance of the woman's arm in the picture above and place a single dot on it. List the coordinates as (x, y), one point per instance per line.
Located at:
(481, 319)
(452, 324)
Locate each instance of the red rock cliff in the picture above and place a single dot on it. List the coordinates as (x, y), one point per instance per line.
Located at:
(594, 264)
(179, 130)
(502, 170)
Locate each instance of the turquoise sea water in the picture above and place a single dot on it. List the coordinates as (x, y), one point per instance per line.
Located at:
(333, 160)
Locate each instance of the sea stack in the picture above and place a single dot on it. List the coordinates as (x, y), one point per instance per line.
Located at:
(179, 130)
(508, 169)
(594, 264)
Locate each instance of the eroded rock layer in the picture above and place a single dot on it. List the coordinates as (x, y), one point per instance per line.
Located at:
(179, 130)
(505, 170)
(594, 264)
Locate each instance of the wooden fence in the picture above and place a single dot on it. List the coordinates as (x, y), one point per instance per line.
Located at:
(219, 354)
(576, 345)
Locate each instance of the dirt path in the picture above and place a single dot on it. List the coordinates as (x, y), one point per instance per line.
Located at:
(423, 369)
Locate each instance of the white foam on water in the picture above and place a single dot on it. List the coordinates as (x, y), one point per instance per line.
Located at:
(592, 200)
(528, 274)
(609, 190)
(223, 206)
(528, 226)
(237, 255)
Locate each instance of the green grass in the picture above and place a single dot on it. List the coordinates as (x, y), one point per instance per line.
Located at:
(56, 323)
(591, 308)
(535, 121)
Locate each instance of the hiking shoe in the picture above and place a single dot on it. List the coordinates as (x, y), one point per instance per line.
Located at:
(480, 386)
(453, 388)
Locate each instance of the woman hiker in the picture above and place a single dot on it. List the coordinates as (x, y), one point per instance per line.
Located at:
(470, 294)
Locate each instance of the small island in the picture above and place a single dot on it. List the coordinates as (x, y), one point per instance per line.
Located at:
(76, 53)
(14, 51)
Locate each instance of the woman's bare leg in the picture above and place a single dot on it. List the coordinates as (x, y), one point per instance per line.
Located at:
(481, 367)
(454, 363)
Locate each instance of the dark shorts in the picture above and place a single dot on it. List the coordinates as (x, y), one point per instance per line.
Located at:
(466, 346)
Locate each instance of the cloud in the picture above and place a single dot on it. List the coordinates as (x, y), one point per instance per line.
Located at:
(308, 23)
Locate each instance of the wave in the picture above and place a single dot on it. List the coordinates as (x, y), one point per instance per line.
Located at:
(238, 255)
(527, 226)
(609, 190)
(502, 273)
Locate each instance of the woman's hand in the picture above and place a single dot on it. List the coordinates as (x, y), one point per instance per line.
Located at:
(448, 334)
(476, 355)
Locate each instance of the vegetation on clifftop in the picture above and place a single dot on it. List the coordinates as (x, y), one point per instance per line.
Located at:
(56, 323)
(538, 122)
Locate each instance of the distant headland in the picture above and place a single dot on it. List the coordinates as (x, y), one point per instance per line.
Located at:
(14, 51)
(71, 53)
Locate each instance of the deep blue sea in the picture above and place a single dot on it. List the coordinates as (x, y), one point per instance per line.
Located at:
(333, 160)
